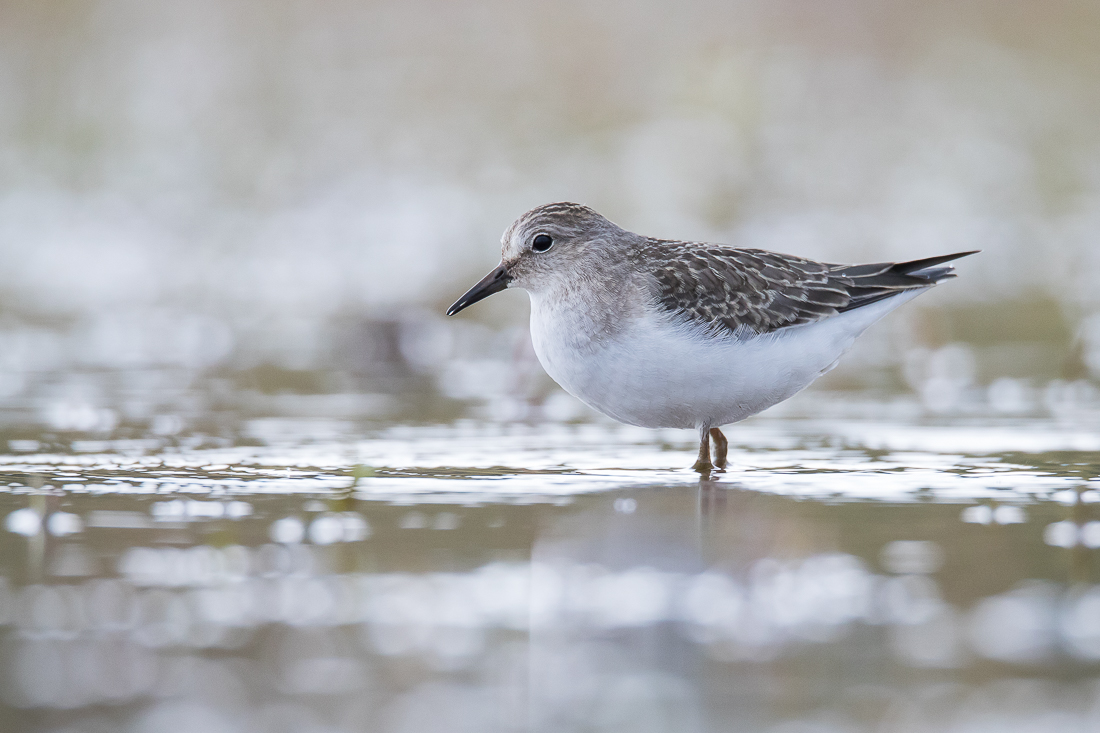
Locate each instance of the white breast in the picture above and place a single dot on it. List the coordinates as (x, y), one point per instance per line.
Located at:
(654, 373)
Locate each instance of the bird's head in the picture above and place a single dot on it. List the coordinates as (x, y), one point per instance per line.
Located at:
(549, 245)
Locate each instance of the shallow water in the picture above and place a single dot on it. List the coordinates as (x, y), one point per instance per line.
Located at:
(842, 575)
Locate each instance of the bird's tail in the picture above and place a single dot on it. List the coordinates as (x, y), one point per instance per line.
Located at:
(871, 283)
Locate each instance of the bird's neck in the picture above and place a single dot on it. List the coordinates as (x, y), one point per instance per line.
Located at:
(587, 309)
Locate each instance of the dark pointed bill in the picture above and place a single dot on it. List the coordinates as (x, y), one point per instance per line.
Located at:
(494, 282)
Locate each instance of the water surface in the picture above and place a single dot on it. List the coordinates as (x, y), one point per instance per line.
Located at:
(316, 575)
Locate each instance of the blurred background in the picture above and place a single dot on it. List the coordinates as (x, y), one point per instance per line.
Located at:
(252, 479)
(217, 208)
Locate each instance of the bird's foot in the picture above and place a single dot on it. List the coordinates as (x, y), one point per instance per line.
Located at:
(721, 446)
(702, 463)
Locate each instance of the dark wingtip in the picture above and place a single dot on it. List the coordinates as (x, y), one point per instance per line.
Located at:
(915, 265)
(870, 285)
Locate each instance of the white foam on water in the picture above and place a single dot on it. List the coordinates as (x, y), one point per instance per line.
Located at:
(840, 459)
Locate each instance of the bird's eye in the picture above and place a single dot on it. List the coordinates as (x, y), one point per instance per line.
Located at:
(542, 242)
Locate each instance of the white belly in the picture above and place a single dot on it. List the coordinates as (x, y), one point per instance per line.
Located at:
(655, 374)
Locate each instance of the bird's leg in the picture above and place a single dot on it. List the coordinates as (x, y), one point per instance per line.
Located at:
(702, 463)
(720, 445)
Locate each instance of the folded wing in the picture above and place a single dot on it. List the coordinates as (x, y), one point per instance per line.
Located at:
(745, 291)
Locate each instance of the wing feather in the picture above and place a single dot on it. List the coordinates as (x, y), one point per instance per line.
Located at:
(729, 290)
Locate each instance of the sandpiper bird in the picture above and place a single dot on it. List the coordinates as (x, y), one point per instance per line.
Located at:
(668, 334)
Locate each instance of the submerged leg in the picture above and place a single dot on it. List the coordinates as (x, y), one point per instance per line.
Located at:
(720, 445)
(702, 463)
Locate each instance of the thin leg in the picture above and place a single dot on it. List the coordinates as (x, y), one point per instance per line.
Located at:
(720, 445)
(703, 464)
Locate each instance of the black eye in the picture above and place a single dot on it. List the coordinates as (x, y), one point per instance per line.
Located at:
(542, 242)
